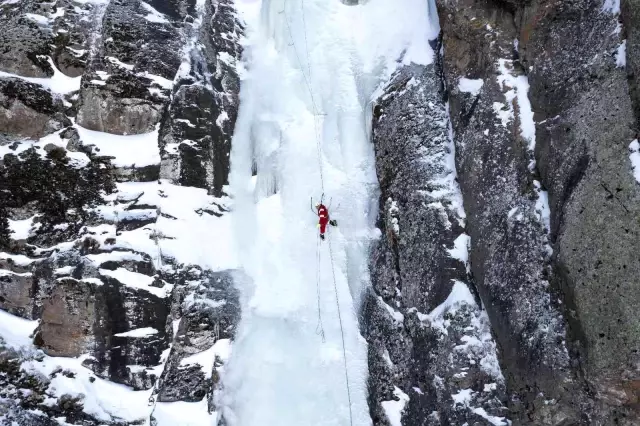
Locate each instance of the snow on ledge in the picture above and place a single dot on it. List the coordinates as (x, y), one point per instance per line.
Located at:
(634, 156)
(58, 83)
(612, 6)
(206, 359)
(460, 249)
(154, 16)
(21, 228)
(466, 85)
(621, 55)
(460, 295)
(135, 280)
(138, 332)
(126, 150)
(16, 331)
(393, 409)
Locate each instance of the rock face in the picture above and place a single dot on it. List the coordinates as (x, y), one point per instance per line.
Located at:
(582, 149)
(430, 345)
(504, 281)
(543, 106)
(29, 111)
(196, 139)
(96, 251)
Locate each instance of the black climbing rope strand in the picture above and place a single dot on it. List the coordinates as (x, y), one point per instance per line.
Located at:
(308, 84)
(319, 149)
(344, 350)
(319, 327)
(316, 112)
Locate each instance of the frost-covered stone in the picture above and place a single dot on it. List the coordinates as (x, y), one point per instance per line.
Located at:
(419, 362)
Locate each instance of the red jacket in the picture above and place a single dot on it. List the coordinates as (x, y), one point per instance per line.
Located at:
(323, 217)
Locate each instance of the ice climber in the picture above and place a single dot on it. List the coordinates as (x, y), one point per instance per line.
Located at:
(323, 219)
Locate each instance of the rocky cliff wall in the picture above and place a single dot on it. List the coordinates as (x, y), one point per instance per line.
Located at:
(542, 99)
(115, 126)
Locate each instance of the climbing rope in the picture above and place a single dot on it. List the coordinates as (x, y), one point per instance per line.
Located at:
(307, 79)
(319, 327)
(344, 350)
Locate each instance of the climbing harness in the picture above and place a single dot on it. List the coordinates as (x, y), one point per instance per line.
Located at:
(316, 113)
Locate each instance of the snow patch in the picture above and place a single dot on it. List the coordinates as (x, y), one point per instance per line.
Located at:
(460, 249)
(184, 414)
(459, 296)
(17, 259)
(496, 421)
(20, 229)
(138, 332)
(463, 397)
(102, 399)
(206, 359)
(621, 55)
(153, 15)
(126, 151)
(611, 6)
(473, 87)
(59, 83)
(15, 332)
(136, 280)
(634, 156)
(518, 89)
(394, 409)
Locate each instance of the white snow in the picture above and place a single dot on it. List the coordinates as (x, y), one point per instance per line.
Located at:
(65, 270)
(130, 150)
(496, 421)
(305, 112)
(206, 359)
(113, 256)
(611, 6)
(463, 397)
(105, 400)
(117, 62)
(136, 280)
(39, 19)
(518, 89)
(154, 15)
(17, 259)
(15, 332)
(621, 55)
(393, 409)
(459, 296)
(185, 231)
(184, 414)
(460, 249)
(58, 83)
(542, 205)
(634, 156)
(467, 85)
(20, 228)
(76, 159)
(138, 332)
(488, 387)
(396, 315)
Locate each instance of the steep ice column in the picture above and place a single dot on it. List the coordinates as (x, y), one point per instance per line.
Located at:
(313, 67)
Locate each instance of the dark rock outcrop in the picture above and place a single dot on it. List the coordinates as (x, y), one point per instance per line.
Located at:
(27, 110)
(429, 340)
(209, 313)
(196, 137)
(548, 109)
(584, 103)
